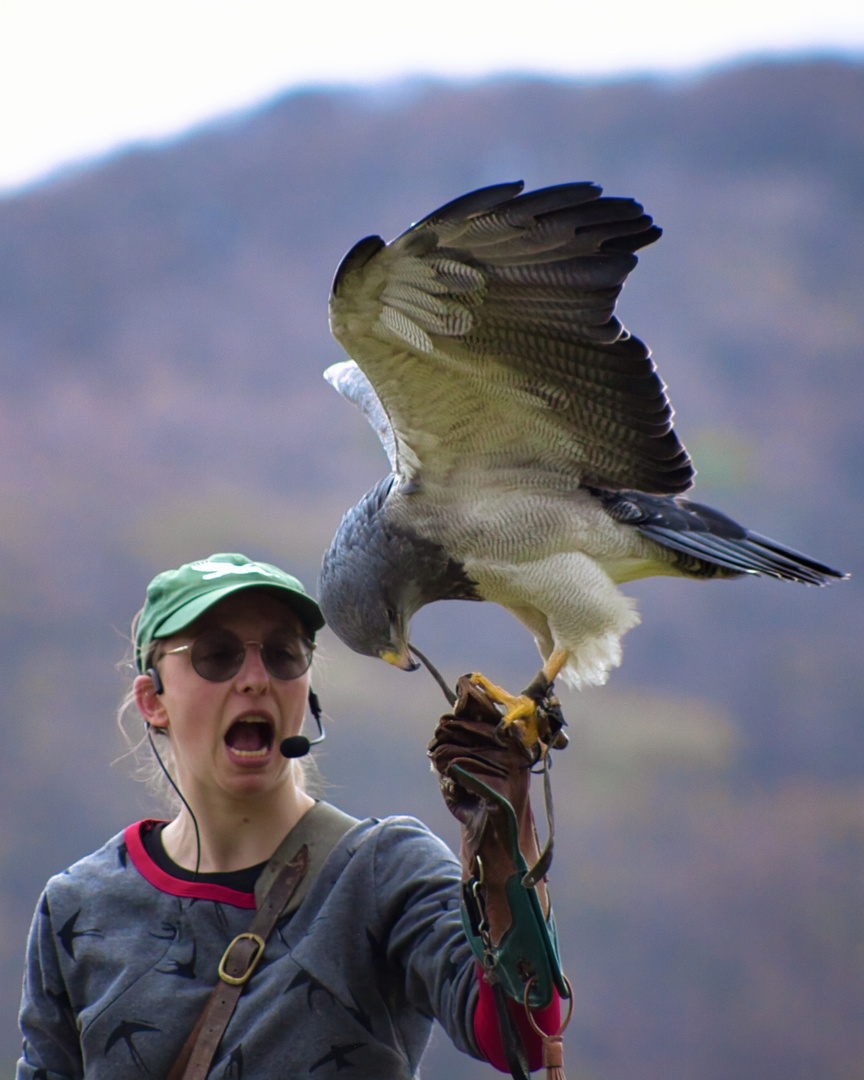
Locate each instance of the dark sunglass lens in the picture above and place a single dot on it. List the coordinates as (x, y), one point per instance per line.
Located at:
(217, 655)
(286, 657)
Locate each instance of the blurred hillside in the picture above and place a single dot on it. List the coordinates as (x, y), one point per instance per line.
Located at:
(162, 332)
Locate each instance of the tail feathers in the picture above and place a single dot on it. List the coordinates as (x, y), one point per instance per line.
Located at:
(751, 554)
(711, 542)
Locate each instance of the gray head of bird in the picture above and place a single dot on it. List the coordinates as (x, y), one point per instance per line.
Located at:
(377, 575)
(368, 610)
(373, 626)
(367, 586)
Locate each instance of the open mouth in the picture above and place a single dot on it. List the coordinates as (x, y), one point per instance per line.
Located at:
(250, 737)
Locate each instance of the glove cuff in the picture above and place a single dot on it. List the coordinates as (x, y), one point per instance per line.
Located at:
(528, 949)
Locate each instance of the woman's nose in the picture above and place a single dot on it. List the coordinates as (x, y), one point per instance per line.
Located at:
(253, 675)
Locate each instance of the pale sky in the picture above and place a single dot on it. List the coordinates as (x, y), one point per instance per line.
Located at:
(79, 78)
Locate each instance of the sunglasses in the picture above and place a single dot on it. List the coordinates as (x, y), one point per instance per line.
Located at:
(217, 655)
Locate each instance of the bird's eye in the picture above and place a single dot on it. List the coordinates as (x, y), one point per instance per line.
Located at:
(391, 615)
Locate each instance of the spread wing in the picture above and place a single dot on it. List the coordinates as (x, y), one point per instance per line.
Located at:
(488, 337)
(352, 384)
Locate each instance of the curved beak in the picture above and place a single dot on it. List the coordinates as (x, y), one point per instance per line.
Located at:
(402, 659)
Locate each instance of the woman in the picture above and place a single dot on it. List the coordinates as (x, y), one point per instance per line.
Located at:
(125, 946)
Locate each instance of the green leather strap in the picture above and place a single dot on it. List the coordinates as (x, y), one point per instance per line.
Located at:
(529, 946)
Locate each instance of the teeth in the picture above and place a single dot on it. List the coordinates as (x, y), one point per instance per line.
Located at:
(263, 751)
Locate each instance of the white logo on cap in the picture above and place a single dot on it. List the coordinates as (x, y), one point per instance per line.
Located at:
(222, 569)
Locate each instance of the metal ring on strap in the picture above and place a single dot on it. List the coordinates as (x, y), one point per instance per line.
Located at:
(238, 980)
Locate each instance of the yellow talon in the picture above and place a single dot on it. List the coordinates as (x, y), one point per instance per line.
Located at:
(521, 709)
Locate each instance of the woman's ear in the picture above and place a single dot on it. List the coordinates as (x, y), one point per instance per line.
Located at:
(149, 702)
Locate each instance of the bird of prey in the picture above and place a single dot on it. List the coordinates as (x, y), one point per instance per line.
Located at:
(533, 459)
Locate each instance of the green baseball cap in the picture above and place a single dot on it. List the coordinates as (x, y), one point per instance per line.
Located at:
(176, 598)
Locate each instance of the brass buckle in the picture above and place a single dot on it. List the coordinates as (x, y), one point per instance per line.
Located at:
(238, 980)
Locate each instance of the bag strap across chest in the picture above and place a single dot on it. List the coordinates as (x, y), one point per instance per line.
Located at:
(280, 889)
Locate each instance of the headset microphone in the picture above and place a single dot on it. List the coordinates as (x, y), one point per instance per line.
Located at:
(298, 745)
(295, 746)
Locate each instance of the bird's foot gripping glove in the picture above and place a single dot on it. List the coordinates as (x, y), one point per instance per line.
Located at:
(485, 778)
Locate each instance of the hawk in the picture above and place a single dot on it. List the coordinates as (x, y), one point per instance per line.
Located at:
(533, 458)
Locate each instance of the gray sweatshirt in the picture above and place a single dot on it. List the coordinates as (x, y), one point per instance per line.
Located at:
(122, 957)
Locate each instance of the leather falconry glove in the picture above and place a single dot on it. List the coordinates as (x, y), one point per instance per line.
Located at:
(485, 777)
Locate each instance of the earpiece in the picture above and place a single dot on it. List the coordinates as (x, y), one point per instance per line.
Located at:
(298, 745)
(158, 688)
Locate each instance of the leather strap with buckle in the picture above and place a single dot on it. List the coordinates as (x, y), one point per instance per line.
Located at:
(236, 966)
(243, 961)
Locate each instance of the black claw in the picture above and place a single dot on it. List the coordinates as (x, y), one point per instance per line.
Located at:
(539, 688)
(505, 731)
(549, 714)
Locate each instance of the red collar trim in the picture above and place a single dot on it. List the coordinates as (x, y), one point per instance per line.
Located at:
(197, 890)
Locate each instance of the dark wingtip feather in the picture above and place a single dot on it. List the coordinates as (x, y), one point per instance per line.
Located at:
(634, 242)
(474, 202)
(356, 258)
